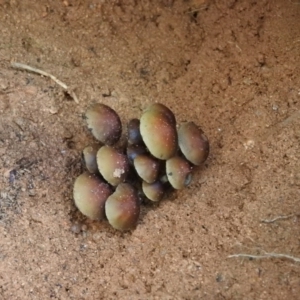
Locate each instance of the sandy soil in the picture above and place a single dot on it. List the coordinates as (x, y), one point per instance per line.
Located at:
(232, 67)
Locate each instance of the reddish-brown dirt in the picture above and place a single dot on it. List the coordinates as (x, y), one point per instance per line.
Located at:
(233, 67)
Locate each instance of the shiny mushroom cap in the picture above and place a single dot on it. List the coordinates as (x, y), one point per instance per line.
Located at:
(179, 172)
(112, 165)
(159, 133)
(193, 143)
(90, 194)
(89, 156)
(147, 167)
(153, 191)
(122, 208)
(104, 123)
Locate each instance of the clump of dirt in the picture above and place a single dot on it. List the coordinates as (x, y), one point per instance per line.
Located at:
(230, 66)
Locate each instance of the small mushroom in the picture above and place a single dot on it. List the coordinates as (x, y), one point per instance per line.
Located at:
(133, 132)
(147, 167)
(193, 143)
(134, 150)
(104, 123)
(153, 191)
(122, 208)
(89, 157)
(90, 194)
(112, 165)
(179, 172)
(159, 133)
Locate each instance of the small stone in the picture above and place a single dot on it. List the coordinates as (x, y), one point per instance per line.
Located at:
(76, 228)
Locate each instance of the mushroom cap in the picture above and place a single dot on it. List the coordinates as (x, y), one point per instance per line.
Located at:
(122, 208)
(90, 194)
(158, 133)
(112, 165)
(104, 123)
(133, 131)
(147, 167)
(133, 151)
(193, 143)
(89, 156)
(179, 172)
(153, 191)
(164, 109)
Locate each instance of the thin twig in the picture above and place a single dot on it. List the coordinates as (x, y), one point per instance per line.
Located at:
(266, 255)
(278, 218)
(21, 66)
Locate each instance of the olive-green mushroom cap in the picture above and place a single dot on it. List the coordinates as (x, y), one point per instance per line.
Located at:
(153, 191)
(193, 143)
(90, 194)
(112, 165)
(104, 123)
(89, 157)
(122, 208)
(179, 172)
(159, 134)
(147, 167)
(164, 109)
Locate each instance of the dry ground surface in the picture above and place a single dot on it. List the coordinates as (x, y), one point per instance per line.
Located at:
(233, 67)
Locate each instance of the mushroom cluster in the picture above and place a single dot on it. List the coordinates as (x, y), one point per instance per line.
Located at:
(158, 154)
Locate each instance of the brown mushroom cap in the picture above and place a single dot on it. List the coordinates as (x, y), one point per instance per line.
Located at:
(90, 194)
(179, 172)
(159, 133)
(193, 143)
(89, 157)
(164, 109)
(112, 165)
(147, 167)
(122, 208)
(153, 191)
(133, 151)
(104, 123)
(133, 132)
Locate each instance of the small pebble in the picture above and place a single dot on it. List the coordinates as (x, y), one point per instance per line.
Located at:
(76, 228)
